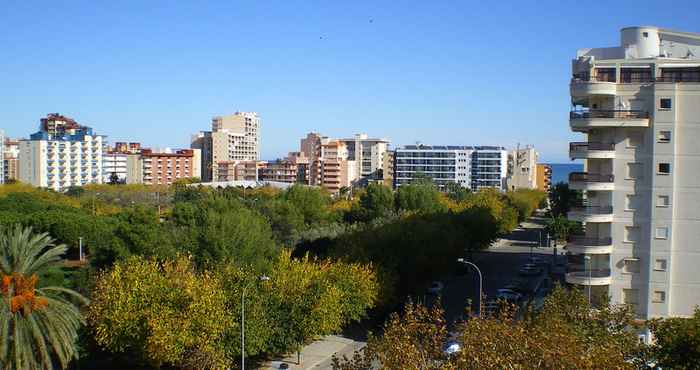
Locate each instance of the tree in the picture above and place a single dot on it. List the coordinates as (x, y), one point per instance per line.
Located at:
(115, 180)
(562, 198)
(677, 342)
(421, 196)
(565, 334)
(560, 228)
(39, 323)
(377, 201)
(161, 313)
(312, 202)
(456, 192)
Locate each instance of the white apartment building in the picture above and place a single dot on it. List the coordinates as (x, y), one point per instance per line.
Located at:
(235, 137)
(522, 168)
(62, 154)
(473, 167)
(638, 106)
(2, 157)
(368, 153)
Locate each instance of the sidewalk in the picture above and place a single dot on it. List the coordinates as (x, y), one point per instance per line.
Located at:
(319, 354)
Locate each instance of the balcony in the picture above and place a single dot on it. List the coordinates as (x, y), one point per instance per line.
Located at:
(588, 150)
(591, 214)
(591, 181)
(585, 87)
(583, 121)
(583, 276)
(580, 244)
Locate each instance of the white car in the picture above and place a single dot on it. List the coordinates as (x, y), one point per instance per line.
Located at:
(436, 287)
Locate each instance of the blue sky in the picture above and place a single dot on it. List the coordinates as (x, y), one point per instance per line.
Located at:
(438, 72)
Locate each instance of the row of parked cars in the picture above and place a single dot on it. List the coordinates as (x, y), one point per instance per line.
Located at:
(516, 291)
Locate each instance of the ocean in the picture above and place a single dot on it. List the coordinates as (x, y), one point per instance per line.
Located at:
(561, 171)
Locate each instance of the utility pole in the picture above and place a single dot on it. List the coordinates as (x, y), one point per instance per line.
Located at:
(80, 249)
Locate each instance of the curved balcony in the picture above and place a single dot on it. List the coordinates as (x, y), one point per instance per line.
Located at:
(588, 150)
(582, 276)
(591, 181)
(591, 214)
(580, 244)
(582, 88)
(583, 121)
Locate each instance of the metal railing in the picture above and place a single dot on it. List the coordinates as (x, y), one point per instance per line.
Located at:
(589, 241)
(583, 272)
(590, 177)
(678, 78)
(584, 146)
(592, 210)
(619, 114)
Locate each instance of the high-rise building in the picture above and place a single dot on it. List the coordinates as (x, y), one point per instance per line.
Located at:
(638, 105)
(234, 137)
(122, 164)
(522, 168)
(293, 169)
(369, 155)
(61, 154)
(166, 166)
(544, 177)
(10, 160)
(2, 157)
(473, 167)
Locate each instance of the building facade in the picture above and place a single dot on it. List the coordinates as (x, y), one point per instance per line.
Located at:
(238, 170)
(10, 160)
(61, 154)
(522, 168)
(2, 157)
(293, 169)
(122, 164)
(638, 106)
(473, 167)
(369, 155)
(167, 166)
(234, 137)
(544, 177)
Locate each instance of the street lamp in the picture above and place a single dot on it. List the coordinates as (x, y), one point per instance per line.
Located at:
(587, 262)
(481, 280)
(260, 278)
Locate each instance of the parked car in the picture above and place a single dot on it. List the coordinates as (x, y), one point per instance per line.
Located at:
(536, 260)
(436, 287)
(509, 295)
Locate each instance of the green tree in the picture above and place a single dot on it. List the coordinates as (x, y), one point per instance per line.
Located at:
(161, 314)
(562, 198)
(312, 202)
(39, 323)
(677, 342)
(377, 201)
(421, 196)
(560, 228)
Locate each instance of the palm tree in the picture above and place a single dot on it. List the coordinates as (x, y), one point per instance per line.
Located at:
(38, 325)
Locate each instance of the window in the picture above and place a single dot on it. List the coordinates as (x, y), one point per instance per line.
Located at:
(631, 234)
(664, 169)
(645, 34)
(660, 265)
(665, 103)
(659, 296)
(630, 296)
(631, 266)
(664, 137)
(634, 170)
(663, 201)
(661, 233)
(630, 202)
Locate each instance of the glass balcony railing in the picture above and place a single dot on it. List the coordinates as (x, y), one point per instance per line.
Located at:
(589, 241)
(617, 114)
(590, 177)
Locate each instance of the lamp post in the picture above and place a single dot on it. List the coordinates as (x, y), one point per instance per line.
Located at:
(587, 262)
(481, 280)
(261, 278)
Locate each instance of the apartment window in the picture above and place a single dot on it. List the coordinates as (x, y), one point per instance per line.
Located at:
(663, 168)
(645, 34)
(664, 137)
(630, 296)
(630, 202)
(631, 234)
(634, 170)
(630, 266)
(659, 296)
(665, 104)
(661, 233)
(663, 201)
(660, 265)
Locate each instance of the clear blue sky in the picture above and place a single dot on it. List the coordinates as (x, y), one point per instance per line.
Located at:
(438, 72)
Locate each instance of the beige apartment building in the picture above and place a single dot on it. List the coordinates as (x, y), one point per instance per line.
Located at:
(293, 169)
(10, 160)
(522, 168)
(637, 106)
(234, 137)
(239, 170)
(167, 166)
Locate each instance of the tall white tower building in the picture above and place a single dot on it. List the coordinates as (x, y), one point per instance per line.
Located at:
(62, 154)
(638, 106)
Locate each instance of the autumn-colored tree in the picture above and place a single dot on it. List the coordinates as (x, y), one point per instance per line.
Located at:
(161, 313)
(38, 324)
(565, 334)
(677, 342)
